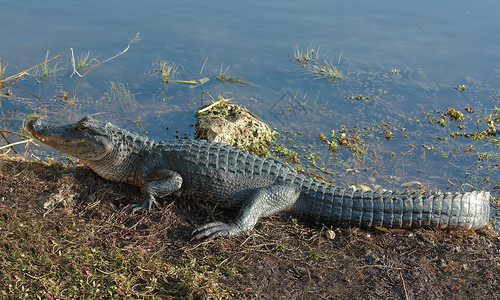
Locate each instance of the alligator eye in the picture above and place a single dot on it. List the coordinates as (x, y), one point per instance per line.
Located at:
(81, 127)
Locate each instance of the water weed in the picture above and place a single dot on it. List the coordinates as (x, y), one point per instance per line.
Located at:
(85, 61)
(317, 66)
(119, 94)
(46, 70)
(222, 76)
(166, 70)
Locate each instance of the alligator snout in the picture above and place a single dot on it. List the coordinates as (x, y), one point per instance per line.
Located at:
(33, 124)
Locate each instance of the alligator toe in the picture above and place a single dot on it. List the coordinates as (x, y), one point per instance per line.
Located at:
(213, 230)
(146, 204)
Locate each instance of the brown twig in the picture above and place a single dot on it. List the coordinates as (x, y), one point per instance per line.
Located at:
(404, 285)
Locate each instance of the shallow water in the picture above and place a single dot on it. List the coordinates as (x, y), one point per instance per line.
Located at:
(433, 45)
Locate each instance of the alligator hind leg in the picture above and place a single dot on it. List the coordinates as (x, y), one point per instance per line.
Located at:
(160, 183)
(262, 202)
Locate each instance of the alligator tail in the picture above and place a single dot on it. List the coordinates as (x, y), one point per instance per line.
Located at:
(338, 206)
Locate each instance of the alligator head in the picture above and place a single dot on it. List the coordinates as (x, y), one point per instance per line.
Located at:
(87, 139)
(106, 149)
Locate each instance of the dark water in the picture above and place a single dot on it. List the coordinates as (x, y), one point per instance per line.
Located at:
(405, 56)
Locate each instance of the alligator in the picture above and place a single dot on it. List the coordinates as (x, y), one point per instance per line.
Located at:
(257, 186)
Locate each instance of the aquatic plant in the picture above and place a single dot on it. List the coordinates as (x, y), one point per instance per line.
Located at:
(310, 61)
(85, 60)
(167, 70)
(120, 94)
(45, 70)
(222, 76)
(310, 54)
(328, 70)
(461, 88)
(2, 73)
(350, 139)
(2, 70)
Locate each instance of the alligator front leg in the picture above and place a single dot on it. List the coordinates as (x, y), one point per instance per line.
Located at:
(159, 183)
(263, 202)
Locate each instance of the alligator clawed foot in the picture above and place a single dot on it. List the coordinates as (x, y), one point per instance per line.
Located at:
(213, 230)
(146, 204)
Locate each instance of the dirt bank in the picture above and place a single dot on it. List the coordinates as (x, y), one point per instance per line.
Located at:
(64, 232)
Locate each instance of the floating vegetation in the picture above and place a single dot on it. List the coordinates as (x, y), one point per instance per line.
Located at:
(342, 139)
(388, 134)
(359, 98)
(222, 76)
(454, 115)
(120, 94)
(167, 70)
(460, 88)
(311, 62)
(44, 70)
(490, 132)
(451, 114)
(480, 128)
(291, 156)
(196, 82)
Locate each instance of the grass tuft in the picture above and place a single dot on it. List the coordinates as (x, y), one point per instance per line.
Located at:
(310, 54)
(310, 60)
(167, 70)
(85, 60)
(46, 70)
(222, 76)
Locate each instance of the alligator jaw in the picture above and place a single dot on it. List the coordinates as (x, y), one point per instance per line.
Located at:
(69, 139)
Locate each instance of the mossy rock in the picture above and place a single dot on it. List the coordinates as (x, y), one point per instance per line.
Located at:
(233, 125)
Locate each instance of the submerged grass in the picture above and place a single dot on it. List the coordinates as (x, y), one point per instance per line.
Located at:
(46, 70)
(119, 94)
